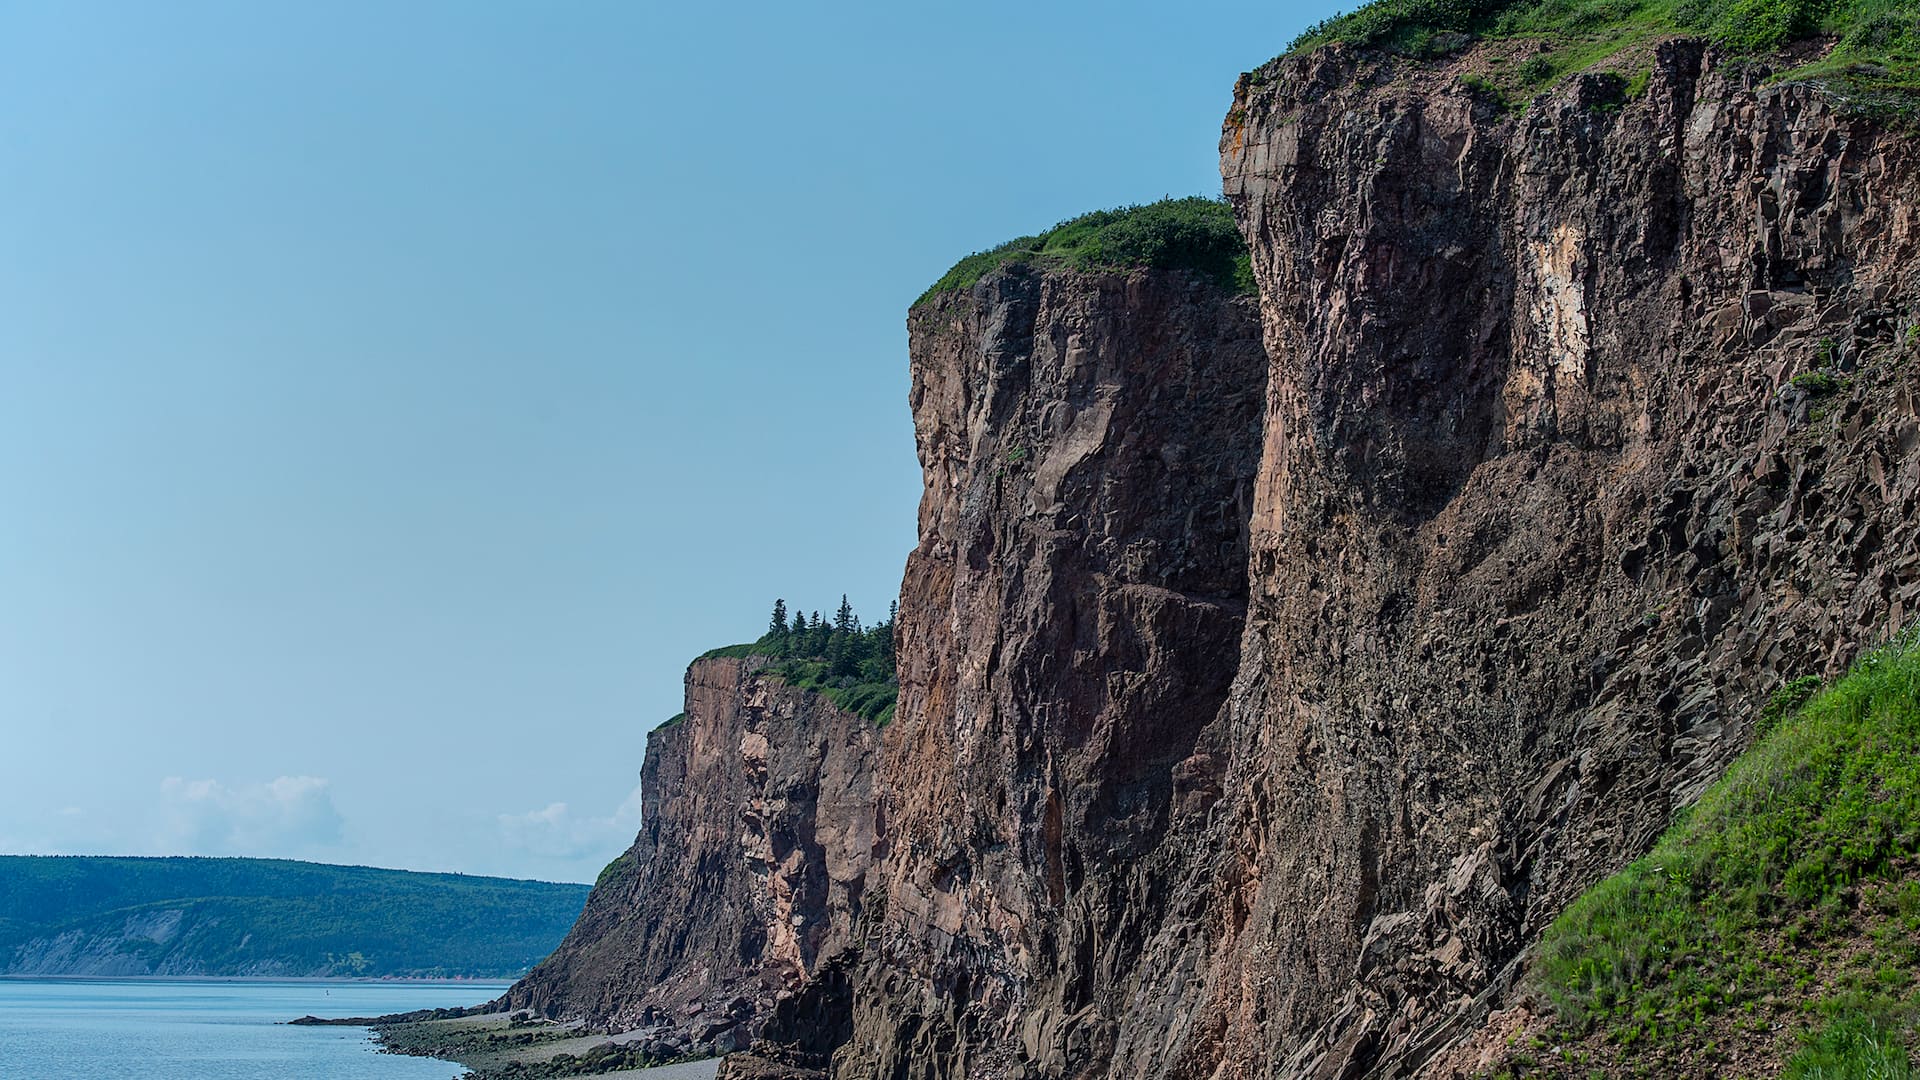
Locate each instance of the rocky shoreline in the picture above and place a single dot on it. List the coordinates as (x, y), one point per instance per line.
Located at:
(493, 1044)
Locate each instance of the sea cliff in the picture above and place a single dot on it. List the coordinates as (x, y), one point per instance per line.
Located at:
(758, 822)
(1273, 671)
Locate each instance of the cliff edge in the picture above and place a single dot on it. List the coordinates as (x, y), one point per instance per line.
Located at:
(1272, 674)
(1068, 627)
(758, 822)
(1589, 426)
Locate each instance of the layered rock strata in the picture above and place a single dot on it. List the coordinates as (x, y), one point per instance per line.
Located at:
(1069, 623)
(758, 822)
(1265, 692)
(1590, 425)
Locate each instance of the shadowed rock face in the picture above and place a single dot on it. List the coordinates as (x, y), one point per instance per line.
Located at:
(1537, 528)
(1068, 624)
(757, 828)
(1265, 692)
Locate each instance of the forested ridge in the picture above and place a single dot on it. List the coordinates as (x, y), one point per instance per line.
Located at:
(101, 915)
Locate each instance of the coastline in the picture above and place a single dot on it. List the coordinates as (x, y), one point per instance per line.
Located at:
(498, 1045)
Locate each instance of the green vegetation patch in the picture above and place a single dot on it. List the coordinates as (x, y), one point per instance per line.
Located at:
(622, 869)
(1855, 1047)
(1792, 884)
(1817, 383)
(848, 663)
(1875, 58)
(1194, 233)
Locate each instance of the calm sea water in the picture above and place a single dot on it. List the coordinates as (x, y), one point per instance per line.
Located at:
(151, 1029)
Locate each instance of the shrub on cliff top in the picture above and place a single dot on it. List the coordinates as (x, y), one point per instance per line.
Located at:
(1795, 875)
(1877, 42)
(1194, 233)
(849, 664)
(1407, 26)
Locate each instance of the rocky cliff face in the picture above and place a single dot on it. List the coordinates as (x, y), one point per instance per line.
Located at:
(758, 823)
(1264, 694)
(1541, 513)
(1068, 625)
(136, 945)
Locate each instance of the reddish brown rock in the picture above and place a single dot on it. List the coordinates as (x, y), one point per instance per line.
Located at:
(1069, 623)
(758, 823)
(1540, 516)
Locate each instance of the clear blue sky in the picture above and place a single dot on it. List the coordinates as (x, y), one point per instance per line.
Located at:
(395, 396)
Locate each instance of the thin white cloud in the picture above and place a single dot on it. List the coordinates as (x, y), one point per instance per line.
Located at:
(290, 815)
(556, 832)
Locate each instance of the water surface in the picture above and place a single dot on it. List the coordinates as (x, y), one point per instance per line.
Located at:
(210, 1029)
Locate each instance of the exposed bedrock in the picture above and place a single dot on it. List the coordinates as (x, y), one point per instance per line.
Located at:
(757, 826)
(1541, 515)
(1269, 679)
(1069, 623)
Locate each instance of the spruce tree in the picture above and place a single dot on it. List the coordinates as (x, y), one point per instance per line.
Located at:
(777, 628)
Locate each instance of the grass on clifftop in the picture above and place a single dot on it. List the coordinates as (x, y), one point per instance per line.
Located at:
(1194, 233)
(849, 664)
(1876, 55)
(1789, 895)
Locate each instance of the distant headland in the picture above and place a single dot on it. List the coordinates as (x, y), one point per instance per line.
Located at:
(181, 916)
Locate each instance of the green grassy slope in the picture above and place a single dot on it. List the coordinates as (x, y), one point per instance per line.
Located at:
(1874, 56)
(1787, 899)
(1193, 233)
(258, 915)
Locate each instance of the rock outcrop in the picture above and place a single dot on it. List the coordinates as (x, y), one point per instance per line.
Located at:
(1589, 426)
(1263, 692)
(1068, 625)
(757, 826)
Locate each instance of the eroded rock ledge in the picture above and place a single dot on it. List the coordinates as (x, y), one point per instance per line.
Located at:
(1269, 679)
(758, 824)
(1543, 512)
